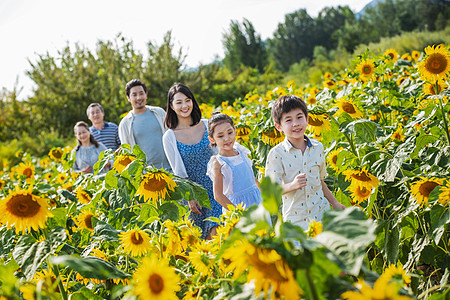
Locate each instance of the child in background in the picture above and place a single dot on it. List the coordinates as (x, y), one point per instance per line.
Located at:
(87, 151)
(298, 165)
(231, 169)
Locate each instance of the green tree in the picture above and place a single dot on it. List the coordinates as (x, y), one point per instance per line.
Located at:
(328, 22)
(293, 40)
(243, 46)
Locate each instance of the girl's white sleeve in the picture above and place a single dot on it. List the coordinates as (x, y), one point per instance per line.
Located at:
(226, 172)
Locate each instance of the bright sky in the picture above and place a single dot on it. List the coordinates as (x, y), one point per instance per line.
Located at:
(32, 27)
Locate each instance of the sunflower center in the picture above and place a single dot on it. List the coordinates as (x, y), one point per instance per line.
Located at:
(125, 161)
(136, 238)
(362, 176)
(57, 154)
(154, 184)
(23, 206)
(27, 172)
(364, 192)
(156, 283)
(315, 122)
(427, 187)
(391, 55)
(88, 221)
(334, 159)
(367, 69)
(271, 133)
(436, 63)
(348, 108)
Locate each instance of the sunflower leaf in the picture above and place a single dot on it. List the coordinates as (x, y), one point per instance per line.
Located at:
(90, 267)
(346, 233)
(30, 254)
(271, 194)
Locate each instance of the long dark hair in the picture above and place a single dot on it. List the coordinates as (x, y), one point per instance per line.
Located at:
(171, 116)
(91, 137)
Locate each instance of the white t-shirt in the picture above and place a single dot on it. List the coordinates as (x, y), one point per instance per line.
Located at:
(226, 170)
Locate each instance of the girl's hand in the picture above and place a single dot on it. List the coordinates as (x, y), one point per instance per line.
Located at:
(87, 169)
(194, 206)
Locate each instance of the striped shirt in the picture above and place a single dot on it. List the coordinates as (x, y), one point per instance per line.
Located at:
(108, 135)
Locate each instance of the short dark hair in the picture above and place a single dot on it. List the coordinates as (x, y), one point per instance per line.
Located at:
(218, 118)
(91, 137)
(132, 83)
(285, 104)
(94, 105)
(171, 120)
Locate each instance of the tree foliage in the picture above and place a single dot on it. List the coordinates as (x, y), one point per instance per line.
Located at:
(244, 46)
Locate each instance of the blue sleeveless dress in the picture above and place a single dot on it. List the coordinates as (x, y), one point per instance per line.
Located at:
(245, 189)
(196, 158)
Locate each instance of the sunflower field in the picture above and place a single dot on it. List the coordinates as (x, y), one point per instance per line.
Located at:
(125, 234)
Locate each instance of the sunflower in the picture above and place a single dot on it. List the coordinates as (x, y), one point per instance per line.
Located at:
(444, 196)
(84, 220)
(398, 135)
(311, 100)
(393, 272)
(392, 54)
(407, 57)
(87, 281)
(135, 241)
(56, 154)
(436, 65)
(366, 70)
(190, 234)
(434, 89)
(317, 123)
(2, 184)
(23, 210)
(314, 228)
(154, 185)
(349, 107)
(359, 194)
(361, 178)
(332, 159)
(242, 132)
(122, 161)
(401, 80)
(45, 162)
(382, 289)
(82, 196)
(331, 84)
(327, 75)
(422, 189)
(266, 268)
(61, 177)
(203, 256)
(271, 136)
(26, 170)
(415, 55)
(156, 280)
(174, 246)
(99, 253)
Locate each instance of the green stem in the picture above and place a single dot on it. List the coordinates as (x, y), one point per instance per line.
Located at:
(60, 284)
(445, 121)
(311, 285)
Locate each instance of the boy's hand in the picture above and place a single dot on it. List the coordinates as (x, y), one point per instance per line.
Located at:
(337, 205)
(299, 181)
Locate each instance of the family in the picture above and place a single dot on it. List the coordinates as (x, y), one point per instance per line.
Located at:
(206, 152)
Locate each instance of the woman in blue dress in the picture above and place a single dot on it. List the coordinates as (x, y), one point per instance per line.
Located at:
(188, 151)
